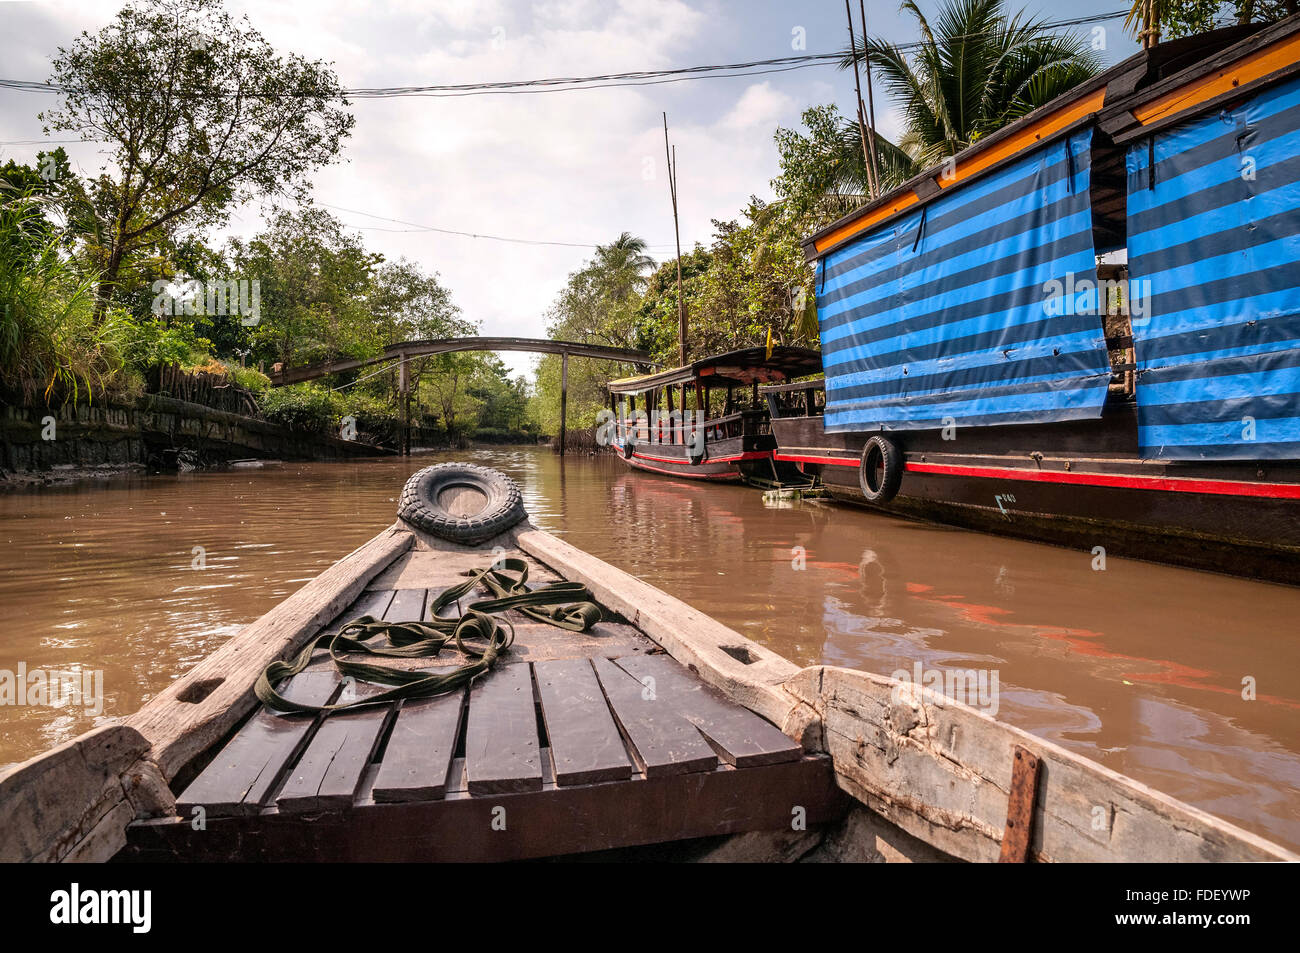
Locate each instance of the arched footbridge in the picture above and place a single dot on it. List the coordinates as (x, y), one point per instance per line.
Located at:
(404, 351)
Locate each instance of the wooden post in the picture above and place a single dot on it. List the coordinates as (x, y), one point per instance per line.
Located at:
(671, 437)
(403, 386)
(862, 122)
(564, 395)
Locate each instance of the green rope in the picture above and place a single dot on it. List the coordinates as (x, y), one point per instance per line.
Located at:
(478, 633)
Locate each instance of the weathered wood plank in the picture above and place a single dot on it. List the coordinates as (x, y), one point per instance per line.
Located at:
(407, 606)
(70, 802)
(197, 710)
(585, 744)
(331, 769)
(663, 742)
(241, 777)
(501, 746)
(941, 771)
(740, 737)
(418, 756)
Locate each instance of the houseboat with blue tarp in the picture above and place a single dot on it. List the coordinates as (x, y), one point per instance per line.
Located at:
(1086, 329)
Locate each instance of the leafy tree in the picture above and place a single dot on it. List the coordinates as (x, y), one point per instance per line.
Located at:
(823, 171)
(314, 279)
(201, 115)
(1177, 18)
(447, 389)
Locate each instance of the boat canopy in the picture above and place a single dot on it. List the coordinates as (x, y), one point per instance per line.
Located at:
(736, 368)
(980, 307)
(1214, 248)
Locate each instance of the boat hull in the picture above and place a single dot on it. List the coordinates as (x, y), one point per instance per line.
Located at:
(724, 461)
(1088, 491)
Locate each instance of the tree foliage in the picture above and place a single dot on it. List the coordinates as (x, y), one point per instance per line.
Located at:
(201, 115)
(1177, 18)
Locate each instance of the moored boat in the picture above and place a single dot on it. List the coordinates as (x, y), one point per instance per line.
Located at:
(1083, 329)
(591, 709)
(682, 437)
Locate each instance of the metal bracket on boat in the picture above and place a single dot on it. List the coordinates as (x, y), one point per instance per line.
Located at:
(1020, 807)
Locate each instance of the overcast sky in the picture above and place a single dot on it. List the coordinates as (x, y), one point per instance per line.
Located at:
(575, 166)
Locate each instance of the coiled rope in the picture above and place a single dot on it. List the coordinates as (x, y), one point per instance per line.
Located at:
(479, 633)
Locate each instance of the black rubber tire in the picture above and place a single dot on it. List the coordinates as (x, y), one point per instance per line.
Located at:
(419, 504)
(877, 451)
(695, 455)
(628, 446)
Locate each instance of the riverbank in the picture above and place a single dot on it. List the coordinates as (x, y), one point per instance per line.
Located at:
(53, 446)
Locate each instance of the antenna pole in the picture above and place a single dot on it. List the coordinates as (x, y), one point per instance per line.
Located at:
(671, 157)
(862, 123)
(871, 102)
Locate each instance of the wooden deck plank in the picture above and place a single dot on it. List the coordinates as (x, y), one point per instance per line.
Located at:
(407, 606)
(246, 770)
(663, 742)
(501, 744)
(740, 737)
(332, 768)
(330, 771)
(585, 743)
(419, 752)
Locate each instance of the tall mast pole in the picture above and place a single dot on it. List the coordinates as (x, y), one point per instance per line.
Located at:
(871, 101)
(671, 157)
(862, 123)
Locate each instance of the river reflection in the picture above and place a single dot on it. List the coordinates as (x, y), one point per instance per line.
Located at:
(1139, 666)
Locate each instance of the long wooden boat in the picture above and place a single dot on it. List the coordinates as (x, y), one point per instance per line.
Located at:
(1086, 328)
(653, 725)
(684, 438)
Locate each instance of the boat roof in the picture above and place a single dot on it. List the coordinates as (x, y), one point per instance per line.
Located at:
(1180, 70)
(730, 370)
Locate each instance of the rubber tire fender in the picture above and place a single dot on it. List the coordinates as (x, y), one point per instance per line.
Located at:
(419, 504)
(890, 454)
(628, 448)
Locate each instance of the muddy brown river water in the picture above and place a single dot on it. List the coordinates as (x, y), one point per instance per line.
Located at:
(1139, 666)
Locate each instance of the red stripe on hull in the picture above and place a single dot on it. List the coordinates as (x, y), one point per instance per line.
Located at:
(803, 458)
(1276, 491)
(1280, 491)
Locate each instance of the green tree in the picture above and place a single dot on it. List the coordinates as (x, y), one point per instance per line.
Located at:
(824, 172)
(315, 278)
(201, 115)
(1177, 18)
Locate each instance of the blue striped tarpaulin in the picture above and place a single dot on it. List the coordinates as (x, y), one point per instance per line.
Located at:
(1214, 240)
(951, 315)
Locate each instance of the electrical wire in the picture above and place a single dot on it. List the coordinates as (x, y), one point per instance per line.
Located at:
(605, 80)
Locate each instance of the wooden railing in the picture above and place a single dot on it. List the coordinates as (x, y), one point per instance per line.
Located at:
(662, 431)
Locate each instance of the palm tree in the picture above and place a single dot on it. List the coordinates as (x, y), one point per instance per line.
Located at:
(974, 71)
(623, 264)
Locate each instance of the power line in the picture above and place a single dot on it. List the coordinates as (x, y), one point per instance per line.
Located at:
(417, 227)
(606, 80)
